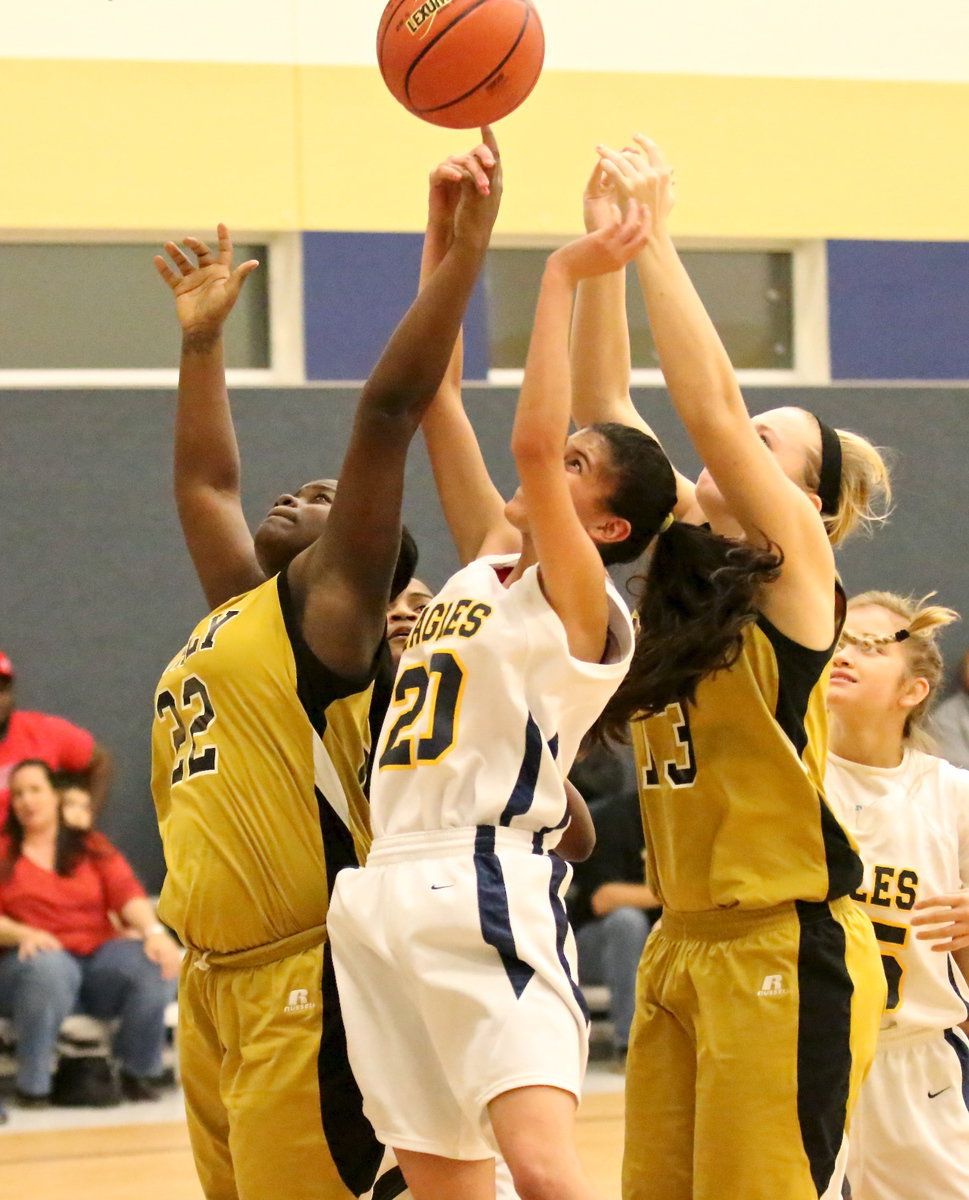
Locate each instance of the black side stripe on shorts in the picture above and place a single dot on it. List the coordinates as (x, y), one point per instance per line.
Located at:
(823, 1038)
(350, 1138)
(390, 1185)
(559, 869)
(493, 909)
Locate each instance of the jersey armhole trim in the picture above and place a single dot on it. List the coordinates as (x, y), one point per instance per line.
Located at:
(313, 678)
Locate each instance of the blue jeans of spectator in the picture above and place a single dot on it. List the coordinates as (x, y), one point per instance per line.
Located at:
(610, 948)
(117, 980)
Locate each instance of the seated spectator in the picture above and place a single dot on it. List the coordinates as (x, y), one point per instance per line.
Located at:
(611, 907)
(950, 721)
(58, 889)
(63, 746)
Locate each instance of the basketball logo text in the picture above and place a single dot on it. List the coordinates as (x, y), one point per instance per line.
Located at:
(422, 18)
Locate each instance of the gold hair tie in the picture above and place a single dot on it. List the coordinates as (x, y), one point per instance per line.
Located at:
(667, 522)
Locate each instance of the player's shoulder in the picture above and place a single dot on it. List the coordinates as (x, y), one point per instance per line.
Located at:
(935, 776)
(955, 778)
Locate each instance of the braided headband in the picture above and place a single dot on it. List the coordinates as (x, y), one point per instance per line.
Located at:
(829, 483)
(874, 639)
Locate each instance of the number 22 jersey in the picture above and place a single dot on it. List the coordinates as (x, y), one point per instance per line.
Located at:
(489, 708)
(258, 752)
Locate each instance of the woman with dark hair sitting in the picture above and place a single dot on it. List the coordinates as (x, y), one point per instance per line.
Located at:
(60, 952)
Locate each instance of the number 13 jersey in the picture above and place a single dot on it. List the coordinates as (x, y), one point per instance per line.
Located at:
(731, 786)
(489, 708)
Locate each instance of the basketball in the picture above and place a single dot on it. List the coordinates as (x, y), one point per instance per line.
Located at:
(460, 63)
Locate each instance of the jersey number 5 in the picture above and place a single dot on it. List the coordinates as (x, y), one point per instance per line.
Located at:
(188, 725)
(436, 688)
(891, 942)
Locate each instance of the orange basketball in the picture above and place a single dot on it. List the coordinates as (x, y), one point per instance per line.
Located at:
(460, 63)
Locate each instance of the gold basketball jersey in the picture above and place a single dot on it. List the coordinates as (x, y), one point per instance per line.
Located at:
(258, 753)
(731, 787)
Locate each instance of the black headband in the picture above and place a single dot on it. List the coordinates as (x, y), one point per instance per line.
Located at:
(829, 483)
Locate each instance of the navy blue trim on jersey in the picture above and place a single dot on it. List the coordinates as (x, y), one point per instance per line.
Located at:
(825, 990)
(558, 873)
(538, 841)
(962, 1053)
(350, 1138)
(955, 984)
(493, 911)
(523, 793)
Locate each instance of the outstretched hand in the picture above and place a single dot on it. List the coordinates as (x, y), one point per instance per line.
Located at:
(946, 919)
(610, 247)
(600, 199)
(641, 173)
(206, 290)
(466, 189)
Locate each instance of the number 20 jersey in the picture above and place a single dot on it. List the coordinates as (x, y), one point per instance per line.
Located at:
(257, 756)
(489, 708)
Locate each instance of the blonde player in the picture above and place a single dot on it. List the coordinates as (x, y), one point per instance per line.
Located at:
(452, 947)
(759, 997)
(909, 813)
(260, 740)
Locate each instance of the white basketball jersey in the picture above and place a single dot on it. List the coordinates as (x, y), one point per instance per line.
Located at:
(911, 824)
(489, 708)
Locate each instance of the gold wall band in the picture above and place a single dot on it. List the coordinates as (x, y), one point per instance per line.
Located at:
(116, 145)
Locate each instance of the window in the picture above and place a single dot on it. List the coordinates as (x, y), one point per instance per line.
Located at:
(94, 312)
(755, 298)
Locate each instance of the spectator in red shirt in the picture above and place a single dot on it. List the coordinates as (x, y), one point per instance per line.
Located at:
(57, 742)
(58, 888)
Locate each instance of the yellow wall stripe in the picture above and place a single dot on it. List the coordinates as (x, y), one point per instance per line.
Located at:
(115, 145)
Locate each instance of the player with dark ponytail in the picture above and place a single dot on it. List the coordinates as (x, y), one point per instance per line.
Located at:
(759, 997)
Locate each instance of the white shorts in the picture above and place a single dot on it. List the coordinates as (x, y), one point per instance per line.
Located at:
(457, 975)
(909, 1133)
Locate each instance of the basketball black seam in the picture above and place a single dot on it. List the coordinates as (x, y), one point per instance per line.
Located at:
(433, 42)
(383, 33)
(481, 82)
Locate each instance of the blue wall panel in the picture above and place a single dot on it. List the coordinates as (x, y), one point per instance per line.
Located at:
(899, 310)
(356, 287)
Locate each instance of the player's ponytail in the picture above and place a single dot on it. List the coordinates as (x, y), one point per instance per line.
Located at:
(699, 593)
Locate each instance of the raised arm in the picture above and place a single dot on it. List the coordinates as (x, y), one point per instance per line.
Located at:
(768, 506)
(599, 346)
(473, 507)
(341, 584)
(571, 566)
(207, 469)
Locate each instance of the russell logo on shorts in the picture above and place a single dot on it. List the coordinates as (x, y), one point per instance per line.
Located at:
(773, 985)
(299, 1001)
